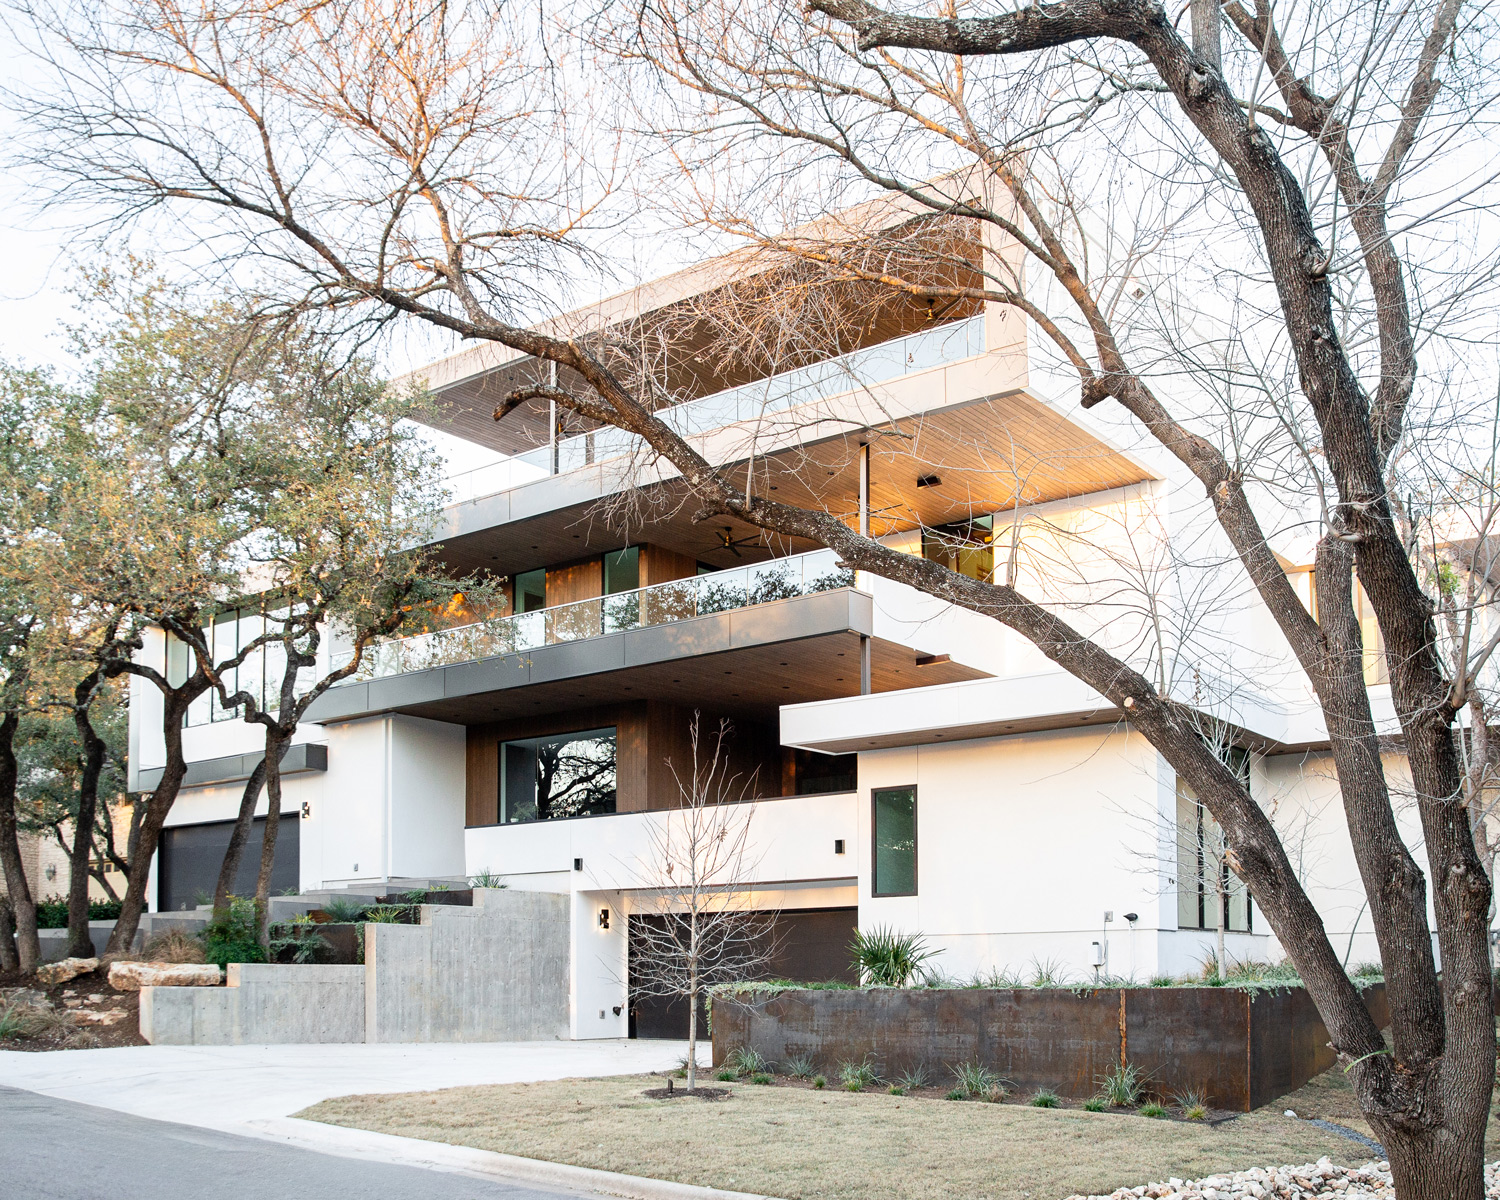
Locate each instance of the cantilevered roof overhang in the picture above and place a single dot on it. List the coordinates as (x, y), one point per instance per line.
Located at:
(746, 662)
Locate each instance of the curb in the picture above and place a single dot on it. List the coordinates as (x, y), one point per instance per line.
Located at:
(484, 1164)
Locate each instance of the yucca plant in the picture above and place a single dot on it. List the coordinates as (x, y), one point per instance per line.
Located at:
(801, 1066)
(914, 1077)
(1193, 1104)
(342, 911)
(746, 1061)
(889, 959)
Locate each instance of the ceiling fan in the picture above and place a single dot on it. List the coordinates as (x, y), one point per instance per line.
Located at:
(727, 541)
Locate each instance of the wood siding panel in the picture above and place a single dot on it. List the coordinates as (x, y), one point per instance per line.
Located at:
(575, 581)
(660, 565)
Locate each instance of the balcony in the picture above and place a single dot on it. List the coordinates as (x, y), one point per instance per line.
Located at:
(921, 351)
(660, 604)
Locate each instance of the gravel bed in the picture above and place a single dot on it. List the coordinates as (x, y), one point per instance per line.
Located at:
(1312, 1181)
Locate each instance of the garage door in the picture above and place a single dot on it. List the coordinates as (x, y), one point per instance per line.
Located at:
(191, 857)
(812, 946)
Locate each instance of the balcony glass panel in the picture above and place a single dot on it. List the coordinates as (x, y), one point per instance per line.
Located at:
(660, 604)
(874, 364)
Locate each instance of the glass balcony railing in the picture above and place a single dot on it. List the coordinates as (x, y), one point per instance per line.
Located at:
(660, 604)
(874, 364)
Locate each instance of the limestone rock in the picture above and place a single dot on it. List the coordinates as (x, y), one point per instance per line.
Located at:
(132, 976)
(51, 974)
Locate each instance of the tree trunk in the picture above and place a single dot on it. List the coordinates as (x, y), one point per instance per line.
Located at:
(276, 747)
(9, 960)
(692, 1061)
(243, 823)
(22, 905)
(148, 834)
(1428, 1162)
(81, 853)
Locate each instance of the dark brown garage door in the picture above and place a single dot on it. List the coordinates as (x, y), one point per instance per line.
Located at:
(812, 946)
(192, 855)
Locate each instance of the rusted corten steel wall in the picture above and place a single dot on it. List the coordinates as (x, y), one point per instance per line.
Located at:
(1241, 1048)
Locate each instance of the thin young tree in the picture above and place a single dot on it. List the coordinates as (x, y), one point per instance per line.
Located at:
(695, 926)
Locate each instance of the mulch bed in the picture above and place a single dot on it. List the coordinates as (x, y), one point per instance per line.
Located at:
(1215, 1116)
(98, 1015)
(681, 1093)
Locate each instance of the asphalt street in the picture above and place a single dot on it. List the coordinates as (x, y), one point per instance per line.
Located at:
(58, 1150)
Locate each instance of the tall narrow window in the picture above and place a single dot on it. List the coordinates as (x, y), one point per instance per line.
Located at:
(1205, 882)
(567, 775)
(894, 841)
(531, 591)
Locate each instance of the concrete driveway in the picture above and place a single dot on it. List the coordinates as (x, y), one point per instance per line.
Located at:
(235, 1088)
(252, 1091)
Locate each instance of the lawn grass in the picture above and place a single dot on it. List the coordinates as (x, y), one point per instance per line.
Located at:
(833, 1145)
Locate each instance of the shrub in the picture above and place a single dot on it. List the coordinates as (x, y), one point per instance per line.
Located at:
(957, 1094)
(760, 1077)
(1045, 1098)
(1121, 1088)
(296, 940)
(746, 1061)
(1152, 1109)
(887, 958)
(388, 914)
(975, 1079)
(173, 946)
(819, 1081)
(855, 1077)
(896, 1090)
(52, 911)
(801, 1066)
(229, 936)
(914, 1077)
(725, 1075)
(1095, 1104)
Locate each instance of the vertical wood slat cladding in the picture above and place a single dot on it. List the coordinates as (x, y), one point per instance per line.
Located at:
(583, 580)
(660, 565)
(647, 733)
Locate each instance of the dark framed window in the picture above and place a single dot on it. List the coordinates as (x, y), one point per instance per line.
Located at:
(893, 841)
(622, 570)
(531, 590)
(564, 775)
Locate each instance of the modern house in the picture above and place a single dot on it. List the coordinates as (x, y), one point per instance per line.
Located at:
(914, 765)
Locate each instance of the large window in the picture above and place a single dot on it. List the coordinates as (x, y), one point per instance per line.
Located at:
(567, 775)
(894, 841)
(531, 591)
(1205, 882)
(966, 547)
(622, 570)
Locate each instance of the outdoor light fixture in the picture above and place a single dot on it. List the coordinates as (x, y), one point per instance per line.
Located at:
(604, 918)
(578, 864)
(1132, 917)
(617, 1010)
(838, 845)
(306, 810)
(924, 481)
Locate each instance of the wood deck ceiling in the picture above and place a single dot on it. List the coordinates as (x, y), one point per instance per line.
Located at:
(989, 456)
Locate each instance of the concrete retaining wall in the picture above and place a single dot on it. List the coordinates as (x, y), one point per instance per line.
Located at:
(491, 973)
(495, 972)
(260, 1003)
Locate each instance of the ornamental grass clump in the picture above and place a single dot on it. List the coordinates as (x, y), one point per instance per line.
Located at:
(1045, 1098)
(1121, 1088)
(855, 1077)
(801, 1066)
(975, 1079)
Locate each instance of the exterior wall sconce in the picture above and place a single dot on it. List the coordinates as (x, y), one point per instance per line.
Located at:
(578, 864)
(51, 871)
(617, 1009)
(926, 481)
(838, 845)
(306, 810)
(604, 918)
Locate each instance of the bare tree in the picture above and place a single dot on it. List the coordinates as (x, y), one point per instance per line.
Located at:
(694, 925)
(391, 161)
